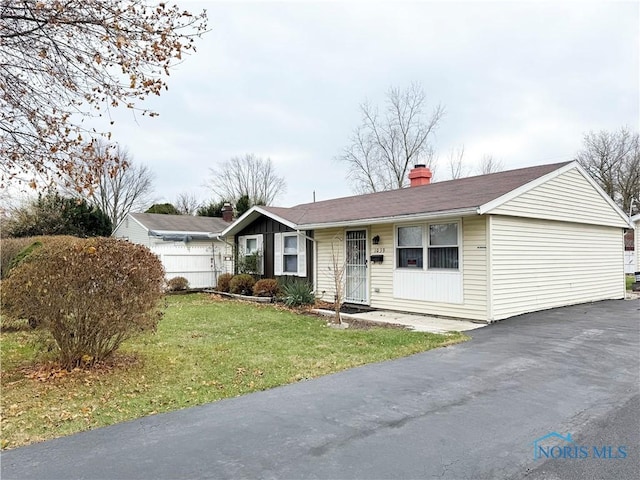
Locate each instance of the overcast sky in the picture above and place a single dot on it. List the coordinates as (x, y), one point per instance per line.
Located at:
(520, 81)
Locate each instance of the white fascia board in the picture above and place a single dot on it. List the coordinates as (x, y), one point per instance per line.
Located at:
(277, 218)
(635, 219)
(184, 232)
(395, 219)
(487, 207)
(249, 216)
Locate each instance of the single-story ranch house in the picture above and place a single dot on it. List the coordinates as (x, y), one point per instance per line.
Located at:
(483, 248)
(188, 246)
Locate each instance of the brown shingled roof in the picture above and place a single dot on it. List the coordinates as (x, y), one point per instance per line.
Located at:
(180, 223)
(465, 193)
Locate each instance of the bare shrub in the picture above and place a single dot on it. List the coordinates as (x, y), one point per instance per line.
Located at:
(177, 284)
(90, 295)
(267, 287)
(223, 282)
(242, 284)
(9, 249)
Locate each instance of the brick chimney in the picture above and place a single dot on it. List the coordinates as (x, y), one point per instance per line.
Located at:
(420, 175)
(227, 212)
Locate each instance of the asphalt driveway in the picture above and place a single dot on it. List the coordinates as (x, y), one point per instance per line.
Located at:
(468, 411)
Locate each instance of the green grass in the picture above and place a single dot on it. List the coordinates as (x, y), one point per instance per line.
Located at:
(629, 281)
(204, 350)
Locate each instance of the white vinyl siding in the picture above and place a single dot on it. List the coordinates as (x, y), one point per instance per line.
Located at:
(569, 197)
(324, 280)
(132, 231)
(474, 274)
(289, 254)
(541, 264)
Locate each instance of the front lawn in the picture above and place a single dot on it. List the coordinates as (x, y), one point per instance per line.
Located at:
(205, 349)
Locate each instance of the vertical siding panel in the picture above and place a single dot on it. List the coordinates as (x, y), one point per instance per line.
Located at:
(540, 264)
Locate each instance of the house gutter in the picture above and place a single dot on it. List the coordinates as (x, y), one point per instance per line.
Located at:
(394, 219)
(221, 238)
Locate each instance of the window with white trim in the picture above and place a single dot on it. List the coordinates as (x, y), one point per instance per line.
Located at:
(440, 242)
(409, 248)
(289, 254)
(443, 246)
(250, 247)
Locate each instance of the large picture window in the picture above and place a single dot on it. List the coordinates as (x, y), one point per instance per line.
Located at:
(438, 240)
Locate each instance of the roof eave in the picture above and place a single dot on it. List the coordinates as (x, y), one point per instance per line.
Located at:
(182, 232)
(249, 216)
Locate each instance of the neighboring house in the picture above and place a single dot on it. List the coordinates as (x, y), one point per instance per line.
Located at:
(483, 248)
(188, 246)
(636, 222)
(630, 260)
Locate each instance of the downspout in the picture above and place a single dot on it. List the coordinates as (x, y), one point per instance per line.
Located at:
(218, 237)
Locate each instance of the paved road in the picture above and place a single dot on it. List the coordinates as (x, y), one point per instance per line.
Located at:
(467, 411)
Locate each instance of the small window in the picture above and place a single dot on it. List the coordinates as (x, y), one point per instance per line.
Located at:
(290, 254)
(443, 246)
(251, 246)
(409, 248)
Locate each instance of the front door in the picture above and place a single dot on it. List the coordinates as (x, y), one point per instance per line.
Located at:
(356, 288)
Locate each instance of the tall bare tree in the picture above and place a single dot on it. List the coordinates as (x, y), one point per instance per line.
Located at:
(457, 168)
(613, 160)
(64, 61)
(120, 185)
(248, 175)
(187, 203)
(489, 164)
(388, 143)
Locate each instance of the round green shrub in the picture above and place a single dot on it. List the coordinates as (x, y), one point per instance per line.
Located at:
(223, 282)
(90, 295)
(267, 287)
(242, 284)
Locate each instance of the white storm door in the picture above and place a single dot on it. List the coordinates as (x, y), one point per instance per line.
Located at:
(356, 285)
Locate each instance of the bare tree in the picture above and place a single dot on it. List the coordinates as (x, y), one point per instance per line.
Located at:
(64, 61)
(387, 144)
(248, 175)
(337, 270)
(613, 160)
(187, 203)
(120, 185)
(488, 164)
(457, 168)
